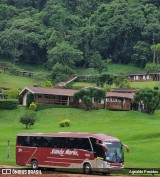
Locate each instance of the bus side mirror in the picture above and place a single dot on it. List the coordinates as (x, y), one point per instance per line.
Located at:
(127, 148)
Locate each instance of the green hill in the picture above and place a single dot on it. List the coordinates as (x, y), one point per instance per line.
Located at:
(138, 130)
(13, 81)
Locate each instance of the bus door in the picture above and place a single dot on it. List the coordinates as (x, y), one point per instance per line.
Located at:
(98, 153)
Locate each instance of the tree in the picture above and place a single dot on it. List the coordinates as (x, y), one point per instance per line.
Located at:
(48, 84)
(24, 41)
(28, 119)
(61, 73)
(96, 62)
(105, 78)
(149, 99)
(98, 95)
(87, 101)
(65, 54)
(121, 81)
(156, 50)
(12, 93)
(141, 53)
(152, 68)
(87, 95)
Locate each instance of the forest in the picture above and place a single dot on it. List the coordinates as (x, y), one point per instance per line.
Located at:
(72, 34)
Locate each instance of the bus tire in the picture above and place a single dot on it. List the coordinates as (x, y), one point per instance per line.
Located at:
(87, 168)
(34, 164)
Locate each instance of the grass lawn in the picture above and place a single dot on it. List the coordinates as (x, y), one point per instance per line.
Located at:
(138, 130)
(83, 84)
(132, 84)
(12, 81)
(150, 84)
(119, 68)
(113, 68)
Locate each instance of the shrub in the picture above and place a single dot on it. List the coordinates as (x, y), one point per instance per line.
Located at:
(41, 76)
(64, 123)
(8, 104)
(28, 119)
(12, 93)
(14, 69)
(67, 122)
(32, 106)
(48, 84)
(88, 102)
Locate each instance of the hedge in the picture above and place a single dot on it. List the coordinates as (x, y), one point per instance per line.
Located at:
(8, 104)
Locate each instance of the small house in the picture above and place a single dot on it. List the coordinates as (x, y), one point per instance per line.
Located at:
(121, 99)
(44, 95)
(142, 77)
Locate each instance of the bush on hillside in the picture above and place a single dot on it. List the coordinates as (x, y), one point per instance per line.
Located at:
(64, 123)
(48, 84)
(41, 76)
(67, 122)
(14, 70)
(28, 119)
(88, 102)
(33, 106)
(12, 93)
(8, 104)
(61, 73)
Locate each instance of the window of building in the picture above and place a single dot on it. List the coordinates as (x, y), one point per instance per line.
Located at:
(147, 77)
(46, 96)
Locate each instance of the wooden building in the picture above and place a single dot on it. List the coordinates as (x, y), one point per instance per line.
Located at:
(143, 77)
(61, 96)
(43, 95)
(119, 101)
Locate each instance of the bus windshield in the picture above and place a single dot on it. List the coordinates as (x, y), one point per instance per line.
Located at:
(115, 153)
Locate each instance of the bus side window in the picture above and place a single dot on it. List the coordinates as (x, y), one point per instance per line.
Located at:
(71, 143)
(33, 141)
(28, 141)
(21, 140)
(87, 144)
(83, 143)
(48, 142)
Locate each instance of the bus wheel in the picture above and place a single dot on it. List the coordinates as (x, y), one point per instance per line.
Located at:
(87, 168)
(34, 164)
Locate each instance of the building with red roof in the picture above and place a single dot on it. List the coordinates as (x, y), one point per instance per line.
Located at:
(45, 95)
(117, 99)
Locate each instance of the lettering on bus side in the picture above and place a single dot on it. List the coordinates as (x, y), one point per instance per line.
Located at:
(62, 152)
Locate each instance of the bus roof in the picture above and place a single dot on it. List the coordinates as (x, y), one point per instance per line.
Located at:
(99, 136)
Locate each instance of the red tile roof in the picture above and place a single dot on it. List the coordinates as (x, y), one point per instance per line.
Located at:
(70, 92)
(125, 90)
(120, 95)
(50, 91)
